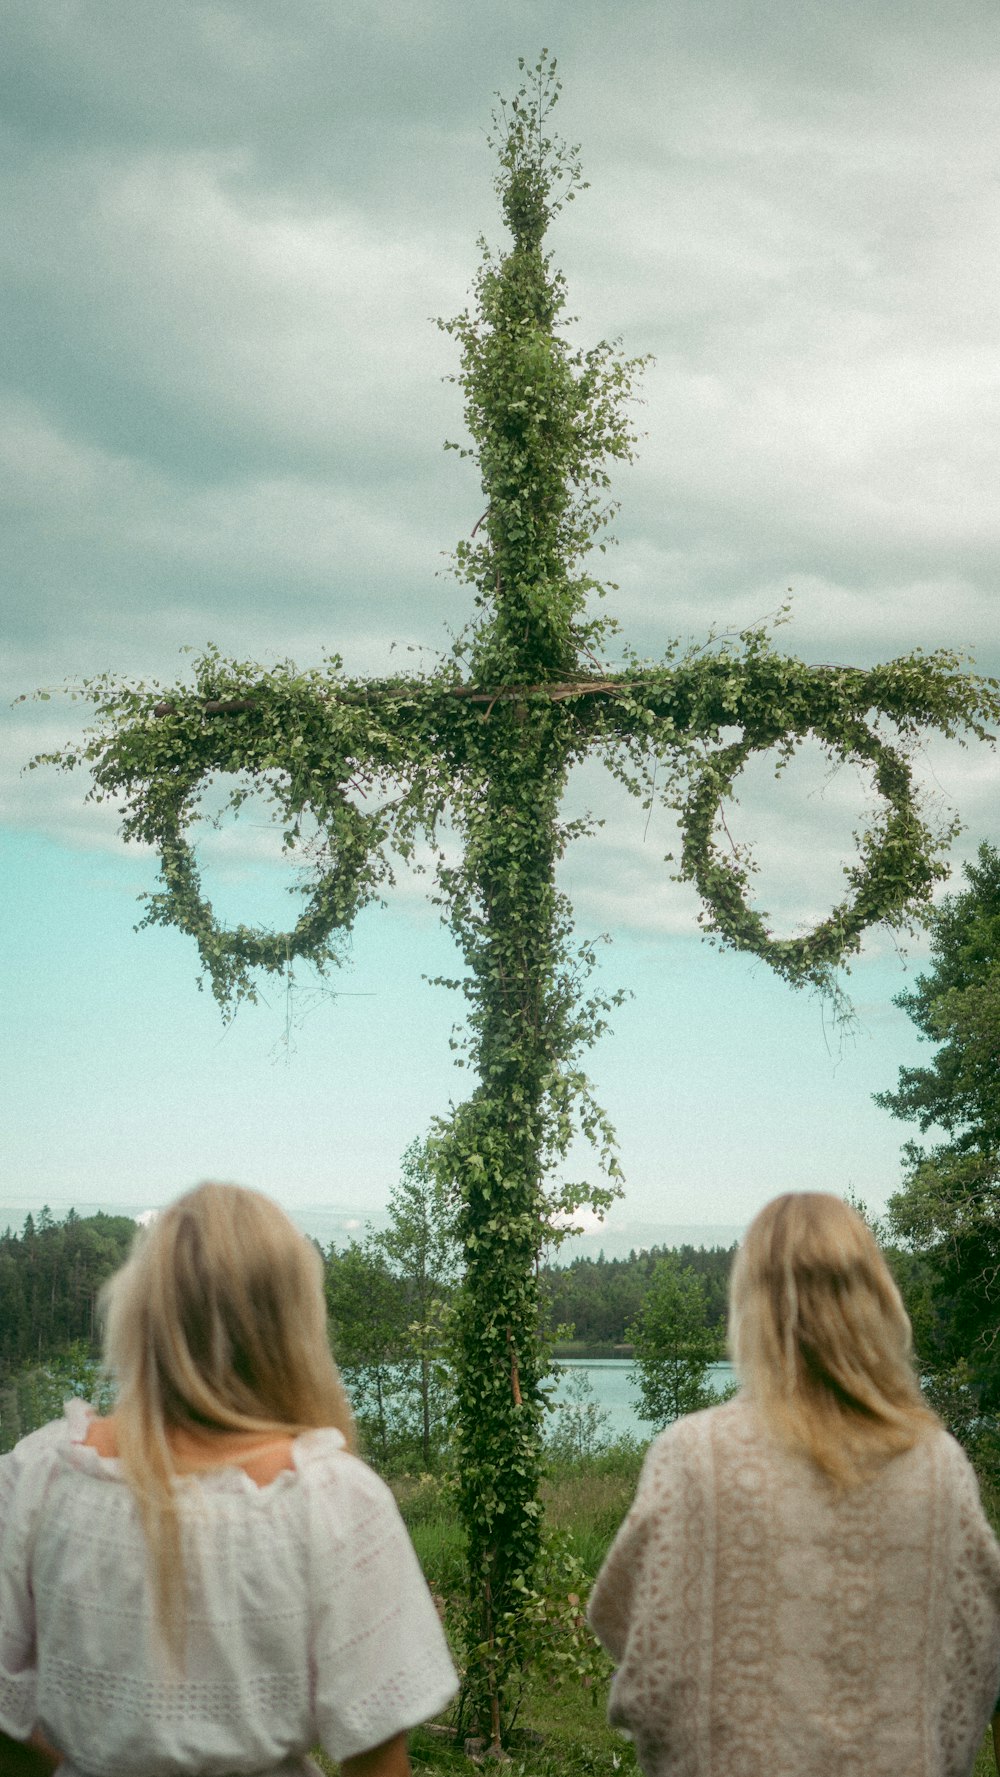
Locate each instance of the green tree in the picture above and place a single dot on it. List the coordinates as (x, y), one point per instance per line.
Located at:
(674, 1345)
(486, 742)
(948, 1210)
(956, 1005)
(368, 1328)
(50, 1280)
(600, 1297)
(419, 1244)
(389, 1299)
(35, 1396)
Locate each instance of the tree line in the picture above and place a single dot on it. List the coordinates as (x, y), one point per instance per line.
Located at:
(597, 1302)
(387, 1293)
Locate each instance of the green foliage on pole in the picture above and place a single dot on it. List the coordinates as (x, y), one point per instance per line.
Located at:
(486, 741)
(674, 1345)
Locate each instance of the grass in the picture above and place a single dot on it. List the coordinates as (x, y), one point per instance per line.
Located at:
(590, 1500)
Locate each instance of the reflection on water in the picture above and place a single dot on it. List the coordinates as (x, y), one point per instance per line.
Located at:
(614, 1391)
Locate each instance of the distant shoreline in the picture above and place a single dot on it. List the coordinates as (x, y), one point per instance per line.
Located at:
(578, 1348)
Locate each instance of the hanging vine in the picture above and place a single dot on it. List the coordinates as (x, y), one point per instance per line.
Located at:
(486, 740)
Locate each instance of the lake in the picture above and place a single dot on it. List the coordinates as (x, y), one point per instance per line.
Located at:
(612, 1389)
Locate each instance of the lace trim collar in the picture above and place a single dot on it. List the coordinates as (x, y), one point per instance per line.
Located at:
(308, 1448)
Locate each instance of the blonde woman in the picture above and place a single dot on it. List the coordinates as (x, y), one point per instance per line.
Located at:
(209, 1581)
(806, 1582)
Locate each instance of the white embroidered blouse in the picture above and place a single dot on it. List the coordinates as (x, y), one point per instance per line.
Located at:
(309, 1620)
(765, 1625)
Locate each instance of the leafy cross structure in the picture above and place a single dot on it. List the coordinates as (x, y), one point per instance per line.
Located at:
(484, 743)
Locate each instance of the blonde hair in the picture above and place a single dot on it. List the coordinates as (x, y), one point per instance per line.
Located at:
(215, 1323)
(821, 1339)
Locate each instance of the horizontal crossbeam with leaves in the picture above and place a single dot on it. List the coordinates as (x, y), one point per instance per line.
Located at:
(362, 771)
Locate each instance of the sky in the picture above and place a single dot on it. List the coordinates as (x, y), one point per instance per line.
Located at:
(228, 231)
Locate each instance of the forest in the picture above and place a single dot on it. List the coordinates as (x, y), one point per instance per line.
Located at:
(592, 1303)
(50, 1279)
(52, 1271)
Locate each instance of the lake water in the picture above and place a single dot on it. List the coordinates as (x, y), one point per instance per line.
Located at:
(613, 1390)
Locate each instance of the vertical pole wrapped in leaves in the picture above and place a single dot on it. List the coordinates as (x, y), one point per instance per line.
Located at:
(542, 419)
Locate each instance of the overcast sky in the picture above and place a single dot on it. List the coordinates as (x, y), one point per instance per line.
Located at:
(227, 231)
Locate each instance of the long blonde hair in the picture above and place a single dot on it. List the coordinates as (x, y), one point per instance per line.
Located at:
(215, 1323)
(821, 1339)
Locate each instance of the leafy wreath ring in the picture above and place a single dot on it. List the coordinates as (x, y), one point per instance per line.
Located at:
(337, 894)
(892, 867)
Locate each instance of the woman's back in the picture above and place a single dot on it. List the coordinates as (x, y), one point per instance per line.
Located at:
(211, 1582)
(771, 1624)
(307, 1615)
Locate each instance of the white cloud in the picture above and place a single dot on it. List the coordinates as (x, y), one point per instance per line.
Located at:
(265, 318)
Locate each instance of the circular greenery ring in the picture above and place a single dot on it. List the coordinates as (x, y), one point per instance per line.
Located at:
(892, 868)
(337, 894)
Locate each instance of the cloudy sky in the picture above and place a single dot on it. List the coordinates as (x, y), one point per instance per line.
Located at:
(227, 231)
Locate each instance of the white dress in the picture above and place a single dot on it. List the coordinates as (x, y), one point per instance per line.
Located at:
(309, 1620)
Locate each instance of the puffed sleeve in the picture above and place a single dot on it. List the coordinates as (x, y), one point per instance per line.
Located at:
(24, 1476)
(380, 1660)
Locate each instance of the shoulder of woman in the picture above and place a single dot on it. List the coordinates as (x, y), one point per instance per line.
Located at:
(25, 1470)
(324, 1451)
(938, 1462)
(678, 1452)
(39, 1446)
(351, 1516)
(952, 1464)
(327, 1467)
(696, 1430)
